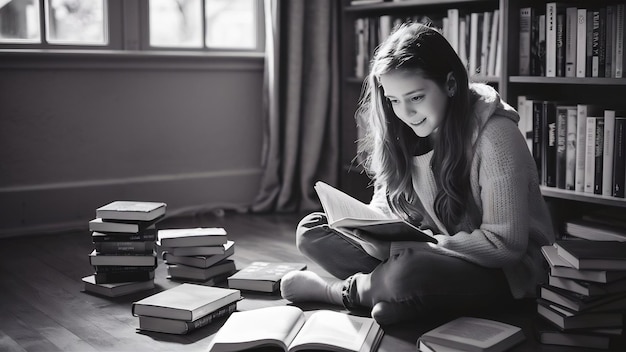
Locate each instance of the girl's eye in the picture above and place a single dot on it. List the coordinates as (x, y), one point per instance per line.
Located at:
(417, 98)
(393, 101)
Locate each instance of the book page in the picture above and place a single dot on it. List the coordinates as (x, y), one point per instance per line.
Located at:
(339, 205)
(329, 328)
(468, 331)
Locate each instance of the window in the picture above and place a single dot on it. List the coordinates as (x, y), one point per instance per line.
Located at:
(184, 25)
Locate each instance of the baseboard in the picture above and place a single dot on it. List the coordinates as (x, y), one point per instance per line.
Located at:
(59, 207)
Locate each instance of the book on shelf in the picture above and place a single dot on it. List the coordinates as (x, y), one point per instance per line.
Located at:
(115, 289)
(602, 338)
(123, 226)
(199, 261)
(581, 42)
(290, 329)
(608, 152)
(192, 237)
(549, 143)
(199, 250)
(96, 258)
(131, 210)
(571, 27)
(182, 327)
(471, 334)
(602, 255)
(344, 211)
(262, 276)
(187, 302)
(580, 303)
(224, 269)
(620, 33)
(619, 157)
(595, 231)
(561, 145)
(525, 26)
(566, 320)
(588, 288)
(125, 247)
(552, 11)
(124, 276)
(570, 148)
(560, 43)
(559, 267)
(149, 234)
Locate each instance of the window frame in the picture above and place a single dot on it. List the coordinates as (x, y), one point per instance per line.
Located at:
(128, 25)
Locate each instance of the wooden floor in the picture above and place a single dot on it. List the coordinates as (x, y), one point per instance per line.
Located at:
(43, 306)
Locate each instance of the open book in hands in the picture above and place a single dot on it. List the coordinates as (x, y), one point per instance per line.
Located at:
(288, 328)
(346, 212)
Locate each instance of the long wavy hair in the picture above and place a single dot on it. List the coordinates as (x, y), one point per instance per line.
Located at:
(388, 144)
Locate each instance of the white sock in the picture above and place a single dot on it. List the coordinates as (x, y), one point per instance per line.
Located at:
(307, 286)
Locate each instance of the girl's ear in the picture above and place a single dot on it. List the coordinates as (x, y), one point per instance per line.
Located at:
(451, 84)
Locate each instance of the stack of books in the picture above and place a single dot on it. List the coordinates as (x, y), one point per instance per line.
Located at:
(584, 301)
(124, 255)
(197, 254)
(185, 308)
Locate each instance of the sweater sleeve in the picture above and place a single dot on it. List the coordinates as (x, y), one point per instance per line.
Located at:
(379, 199)
(500, 176)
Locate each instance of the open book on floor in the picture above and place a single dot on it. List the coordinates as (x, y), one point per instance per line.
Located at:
(344, 211)
(288, 328)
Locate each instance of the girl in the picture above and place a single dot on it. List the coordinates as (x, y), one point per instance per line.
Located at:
(448, 157)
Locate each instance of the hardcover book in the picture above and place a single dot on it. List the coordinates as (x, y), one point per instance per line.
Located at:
(581, 303)
(186, 301)
(149, 234)
(287, 328)
(199, 250)
(199, 261)
(182, 327)
(115, 289)
(125, 276)
(131, 210)
(601, 255)
(262, 276)
(207, 236)
(98, 259)
(123, 226)
(185, 272)
(601, 338)
(588, 288)
(125, 247)
(566, 320)
(472, 334)
(561, 268)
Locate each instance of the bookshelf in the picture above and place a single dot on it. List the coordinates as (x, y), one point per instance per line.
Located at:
(603, 91)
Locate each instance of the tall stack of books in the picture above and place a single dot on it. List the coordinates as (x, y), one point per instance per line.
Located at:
(124, 256)
(197, 254)
(184, 308)
(584, 301)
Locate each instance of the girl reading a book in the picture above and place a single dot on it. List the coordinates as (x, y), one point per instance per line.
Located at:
(447, 156)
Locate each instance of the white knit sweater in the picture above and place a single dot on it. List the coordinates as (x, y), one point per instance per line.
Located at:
(505, 188)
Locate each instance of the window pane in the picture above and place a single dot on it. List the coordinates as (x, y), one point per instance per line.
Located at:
(19, 21)
(176, 23)
(231, 24)
(76, 22)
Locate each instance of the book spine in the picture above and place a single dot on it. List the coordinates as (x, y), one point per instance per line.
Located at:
(126, 276)
(581, 138)
(608, 149)
(131, 247)
(551, 143)
(537, 111)
(599, 156)
(148, 235)
(570, 152)
(120, 269)
(581, 42)
(589, 41)
(620, 18)
(590, 154)
(208, 319)
(608, 41)
(534, 42)
(595, 45)
(551, 23)
(561, 137)
(560, 45)
(571, 18)
(619, 157)
(602, 43)
(484, 43)
(525, 20)
(453, 28)
(493, 43)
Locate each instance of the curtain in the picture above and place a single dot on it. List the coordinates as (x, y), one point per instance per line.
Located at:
(301, 118)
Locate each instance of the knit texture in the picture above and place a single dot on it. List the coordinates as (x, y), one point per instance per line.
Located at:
(514, 222)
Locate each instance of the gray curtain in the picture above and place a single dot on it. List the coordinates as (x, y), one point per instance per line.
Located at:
(301, 135)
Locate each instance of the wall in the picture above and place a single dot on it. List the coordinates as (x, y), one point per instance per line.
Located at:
(78, 131)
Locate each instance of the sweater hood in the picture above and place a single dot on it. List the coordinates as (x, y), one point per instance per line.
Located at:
(489, 105)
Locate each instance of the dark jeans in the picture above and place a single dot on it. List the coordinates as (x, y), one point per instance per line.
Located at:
(412, 275)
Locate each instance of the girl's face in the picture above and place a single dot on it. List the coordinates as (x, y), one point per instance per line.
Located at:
(419, 102)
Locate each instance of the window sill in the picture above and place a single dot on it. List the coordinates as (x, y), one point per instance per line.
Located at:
(116, 59)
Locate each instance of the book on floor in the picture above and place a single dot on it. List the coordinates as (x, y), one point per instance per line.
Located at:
(125, 276)
(600, 255)
(192, 237)
(181, 327)
(131, 210)
(601, 338)
(566, 319)
(125, 247)
(262, 276)
(186, 302)
(344, 211)
(115, 289)
(185, 272)
(199, 261)
(561, 268)
(472, 334)
(123, 226)
(588, 288)
(198, 250)
(96, 258)
(147, 235)
(579, 303)
(290, 329)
